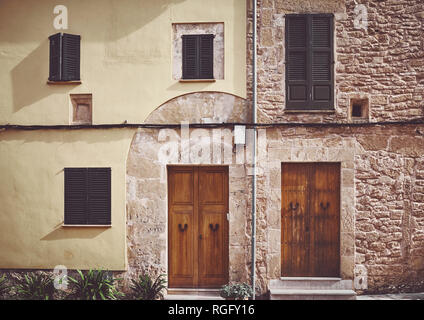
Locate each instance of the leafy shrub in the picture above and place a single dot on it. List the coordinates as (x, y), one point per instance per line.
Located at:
(34, 286)
(94, 285)
(144, 288)
(4, 286)
(237, 291)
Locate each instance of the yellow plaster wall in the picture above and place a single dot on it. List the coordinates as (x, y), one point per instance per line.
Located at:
(126, 56)
(32, 199)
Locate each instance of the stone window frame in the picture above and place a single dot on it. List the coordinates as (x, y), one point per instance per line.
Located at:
(81, 99)
(188, 28)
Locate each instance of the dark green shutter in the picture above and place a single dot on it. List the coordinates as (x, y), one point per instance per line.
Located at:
(88, 196)
(321, 53)
(297, 86)
(190, 57)
(99, 200)
(309, 61)
(206, 56)
(55, 57)
(76, 195)
(197, 56)
(70, 57)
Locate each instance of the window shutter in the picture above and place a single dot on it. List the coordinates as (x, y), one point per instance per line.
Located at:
(70, 57)
(75, 195)
(309, 61)
(99, 196)
(322, 61)
(297, 87)
(206, 56)
(190, 57)
(55, 57)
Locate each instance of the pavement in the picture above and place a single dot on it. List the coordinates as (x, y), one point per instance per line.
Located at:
(397, 296)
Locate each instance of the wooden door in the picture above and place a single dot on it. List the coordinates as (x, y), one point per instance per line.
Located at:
(198, 226)
(310, 219)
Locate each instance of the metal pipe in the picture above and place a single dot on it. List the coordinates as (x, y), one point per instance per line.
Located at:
(254, 99)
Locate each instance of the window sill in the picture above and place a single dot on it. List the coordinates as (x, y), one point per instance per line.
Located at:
(197, 80)
(87, 225)
(73, 82)
(310, 111)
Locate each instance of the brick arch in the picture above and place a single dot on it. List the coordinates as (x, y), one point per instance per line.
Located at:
(193, 107)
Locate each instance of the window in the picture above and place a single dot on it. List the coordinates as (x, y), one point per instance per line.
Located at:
(87, 196)
(309, 62)
(64, 57)
(82, 105)
(198, 56)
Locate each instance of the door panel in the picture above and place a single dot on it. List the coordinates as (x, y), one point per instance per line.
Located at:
(310, 233)
(324, 216)
(294, 248)
(181, 226)
(198, 252)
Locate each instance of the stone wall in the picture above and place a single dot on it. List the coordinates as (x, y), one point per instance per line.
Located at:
(384, 63)
(389, 183)
(382, 195)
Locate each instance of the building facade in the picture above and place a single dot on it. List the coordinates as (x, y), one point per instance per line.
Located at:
(141, 160)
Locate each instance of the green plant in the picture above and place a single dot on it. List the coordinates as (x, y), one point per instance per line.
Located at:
(34, 286)
(4, 286)
(237, 291)
(144, 288)
(94, 285)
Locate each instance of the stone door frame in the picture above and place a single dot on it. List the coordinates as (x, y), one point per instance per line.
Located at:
(300, 149)
(147, 210)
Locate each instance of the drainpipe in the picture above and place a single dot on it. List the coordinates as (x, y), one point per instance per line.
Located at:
(254, 76)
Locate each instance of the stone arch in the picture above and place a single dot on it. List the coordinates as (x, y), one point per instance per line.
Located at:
(146, 180)
(195, 107)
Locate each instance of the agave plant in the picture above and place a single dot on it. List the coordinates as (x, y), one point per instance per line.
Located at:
(34, 286)
(144, 288)
(4, 287)
(94, 285)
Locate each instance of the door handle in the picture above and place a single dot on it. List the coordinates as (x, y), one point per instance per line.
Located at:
(214, 228)
(182, 229)
(324, 207)
(293, 208)
(200, 236)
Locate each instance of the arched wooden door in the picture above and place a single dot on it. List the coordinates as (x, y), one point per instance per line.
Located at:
(310, 219)
(197, 226)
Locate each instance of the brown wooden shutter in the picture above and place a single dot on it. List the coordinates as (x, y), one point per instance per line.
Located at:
(309, 61)
(70, 57)
(206, 56)
(55, 68)
(99, 196)
(75, 195)
(321, 53)
(198, 56)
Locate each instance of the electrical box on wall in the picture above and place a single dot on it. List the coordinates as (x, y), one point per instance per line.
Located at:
(239, 134)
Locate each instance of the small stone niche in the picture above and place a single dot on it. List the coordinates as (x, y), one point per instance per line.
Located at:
(82, 106)
(359, 109)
